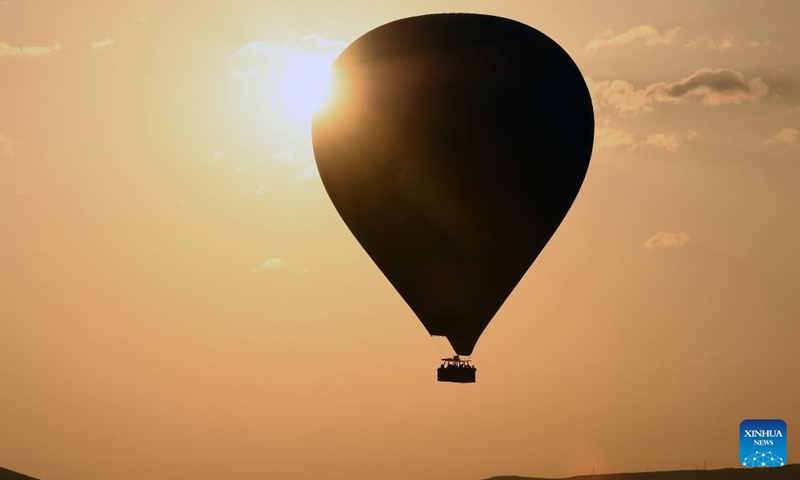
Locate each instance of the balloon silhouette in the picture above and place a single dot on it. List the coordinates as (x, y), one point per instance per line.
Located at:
(453, 147)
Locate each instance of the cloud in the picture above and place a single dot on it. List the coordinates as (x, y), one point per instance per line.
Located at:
(789, 137)
(140, 18)
(270, 265)
(217, 156)
(259, 47)
(667, 141)
(613, 137)
(724, 43)
(310, 44)
(101, 44)
(6, 149)
(286, 156)
(244, 74)
(758, 44)
(7, 50)
(290, 67)
(620, 96)
(709, 87)
(315, 43)
(310, 171)
(648, 33)
(717, 87)
(691, 135)
(667, 240)
(299, 159)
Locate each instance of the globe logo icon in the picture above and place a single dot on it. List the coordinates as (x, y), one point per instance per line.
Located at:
(762, 459)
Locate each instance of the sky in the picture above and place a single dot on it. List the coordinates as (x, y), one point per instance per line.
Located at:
(180, 300)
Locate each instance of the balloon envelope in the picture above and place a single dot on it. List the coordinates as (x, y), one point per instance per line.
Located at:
(452, 148)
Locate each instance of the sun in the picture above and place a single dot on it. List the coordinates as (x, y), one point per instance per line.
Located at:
(306, 84)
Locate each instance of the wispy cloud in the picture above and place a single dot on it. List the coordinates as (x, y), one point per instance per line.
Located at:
(310, 171)
(758, 44)
(615, 138)
(716, 87)
(707, 86)
(666, 141)
(789, 137)
(7, 50)
(612, 138)
(724, 43)
(646, 33)
(266, 59)
(244, 74)
(301, 159)
(620, 96)
(270, 265)
(6, 149)
(315, 43)
(140, 18)
(310, 44)
(286, 156)
(667, 240)
(259, 47)
(101, 44)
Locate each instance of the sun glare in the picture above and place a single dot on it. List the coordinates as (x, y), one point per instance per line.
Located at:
(307, 84)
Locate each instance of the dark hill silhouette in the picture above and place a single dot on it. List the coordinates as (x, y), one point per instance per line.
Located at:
(789, 472)
(6, 474)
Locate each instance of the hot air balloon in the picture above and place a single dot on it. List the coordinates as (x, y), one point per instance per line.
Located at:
(452, 147)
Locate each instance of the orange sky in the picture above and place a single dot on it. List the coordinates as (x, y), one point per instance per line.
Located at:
(180, 299)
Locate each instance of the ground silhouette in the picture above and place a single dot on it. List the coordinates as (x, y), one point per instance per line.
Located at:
(11, 475)
(789, 472)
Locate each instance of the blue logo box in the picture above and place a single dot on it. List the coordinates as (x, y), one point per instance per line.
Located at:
(762, 443)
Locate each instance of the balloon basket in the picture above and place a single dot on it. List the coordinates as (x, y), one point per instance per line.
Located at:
(456, 370)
